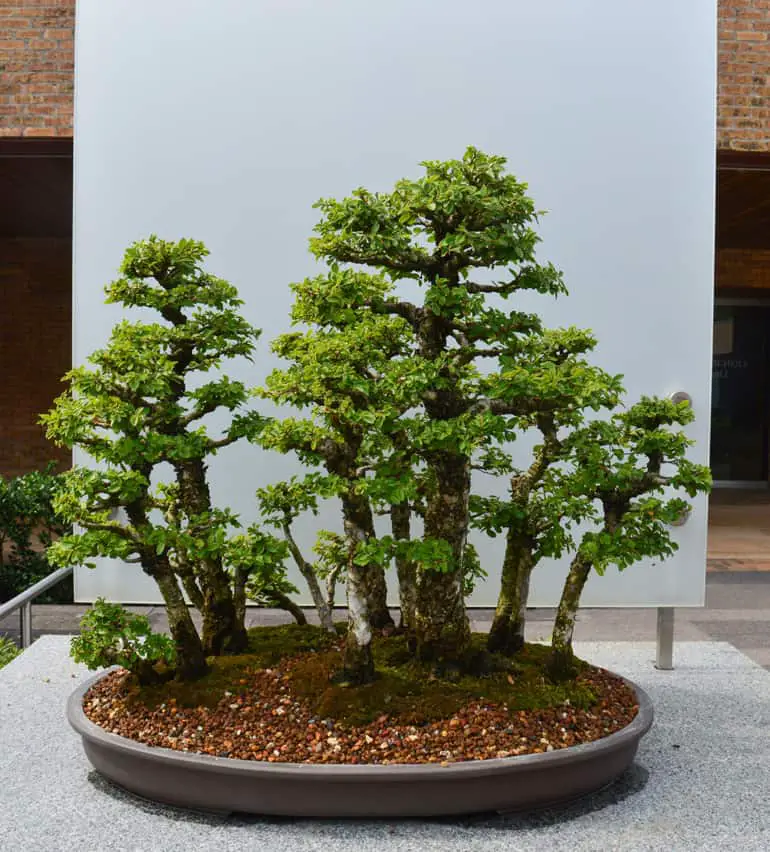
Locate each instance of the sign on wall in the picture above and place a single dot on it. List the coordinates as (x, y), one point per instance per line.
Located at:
(226, 121)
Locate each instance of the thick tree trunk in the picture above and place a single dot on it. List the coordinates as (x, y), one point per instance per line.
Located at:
(441, 623)
(322, 605)
(359, 525)
(506, 635)
(223, 630)
(190, 655)
(406, 569)
(561, 664)
(359, 663)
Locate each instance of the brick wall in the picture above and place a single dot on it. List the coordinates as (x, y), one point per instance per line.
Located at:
(743, 121)
(35, 330)
(36, 67)
(743, 269)
(36, 70)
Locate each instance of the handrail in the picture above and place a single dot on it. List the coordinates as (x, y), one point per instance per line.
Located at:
(23, 602)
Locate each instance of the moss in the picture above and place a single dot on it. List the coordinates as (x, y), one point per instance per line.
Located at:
(407, 691)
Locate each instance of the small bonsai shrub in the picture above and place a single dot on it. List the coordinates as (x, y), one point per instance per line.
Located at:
(8, 651)
(113, 636)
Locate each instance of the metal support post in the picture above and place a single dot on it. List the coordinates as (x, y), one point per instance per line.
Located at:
(664, 657)
(25, 615)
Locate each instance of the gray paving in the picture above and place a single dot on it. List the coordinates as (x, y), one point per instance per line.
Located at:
(737, 611)
(699, 783)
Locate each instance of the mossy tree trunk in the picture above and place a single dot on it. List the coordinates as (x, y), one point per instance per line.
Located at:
(561, 664)
(506, 635)
(406, 569)
(223, 629)
(190, 654)
(442, 630)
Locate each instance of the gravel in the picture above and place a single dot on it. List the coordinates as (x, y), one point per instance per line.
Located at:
(262, 720)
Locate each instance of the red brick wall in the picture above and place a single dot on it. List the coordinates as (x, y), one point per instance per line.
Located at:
(743, 120)
(35, 332)
(36, 67)
(36, 70)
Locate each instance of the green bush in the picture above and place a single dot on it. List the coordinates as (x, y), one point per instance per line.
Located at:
(8, 651)
(112, 636)
(28, 524)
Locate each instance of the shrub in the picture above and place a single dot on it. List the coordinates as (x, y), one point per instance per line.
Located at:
(112, 636)
(8, 651)
(28, 524)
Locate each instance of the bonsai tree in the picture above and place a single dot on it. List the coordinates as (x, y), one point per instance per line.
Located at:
(281, 504)
(536, 514)
(135, 408)
(446, 232)
(336, 375)
(468, 377)
(625, 469)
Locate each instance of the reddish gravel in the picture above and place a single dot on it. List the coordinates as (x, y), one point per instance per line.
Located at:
(264, 721)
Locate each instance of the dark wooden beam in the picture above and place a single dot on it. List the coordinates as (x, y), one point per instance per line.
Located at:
(20, 146)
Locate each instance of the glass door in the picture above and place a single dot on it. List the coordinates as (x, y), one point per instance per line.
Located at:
(739, 398)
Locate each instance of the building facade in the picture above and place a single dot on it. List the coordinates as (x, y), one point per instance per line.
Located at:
(36, 130)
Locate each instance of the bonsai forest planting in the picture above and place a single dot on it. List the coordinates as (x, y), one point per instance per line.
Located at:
(404, 413)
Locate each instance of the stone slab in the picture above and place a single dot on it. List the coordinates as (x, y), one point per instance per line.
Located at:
(700, 781)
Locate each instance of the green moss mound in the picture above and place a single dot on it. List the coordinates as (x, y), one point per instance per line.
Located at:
(405, 690)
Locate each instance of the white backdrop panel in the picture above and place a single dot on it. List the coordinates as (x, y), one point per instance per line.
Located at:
(226, 121)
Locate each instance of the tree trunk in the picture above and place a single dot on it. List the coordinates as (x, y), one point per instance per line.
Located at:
(223, 630)
(322, 605)
(561, 665)
(190, 656)
(358, 517)
(358, 663)
(506, 635)
(406, 569)
(284, 602)
(441, 623)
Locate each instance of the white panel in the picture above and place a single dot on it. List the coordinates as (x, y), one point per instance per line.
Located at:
(226, 121)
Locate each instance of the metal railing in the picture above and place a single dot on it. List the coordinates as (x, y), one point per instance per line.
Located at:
(23, 602)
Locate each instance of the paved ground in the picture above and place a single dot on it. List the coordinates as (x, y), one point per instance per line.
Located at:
(737, 611)
(699, 782)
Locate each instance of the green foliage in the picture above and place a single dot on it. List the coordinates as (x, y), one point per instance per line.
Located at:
(112, 636)
(8, 651)
(28, 526)
(262, 559)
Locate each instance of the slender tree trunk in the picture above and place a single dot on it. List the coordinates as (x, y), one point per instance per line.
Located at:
(321, 604)
(222, 629)
(441, 623)
(507, 632)
(561, 664)
(284, 602)
(406, 569)
(190, 655)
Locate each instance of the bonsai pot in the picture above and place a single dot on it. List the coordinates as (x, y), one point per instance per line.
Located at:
(185, 779)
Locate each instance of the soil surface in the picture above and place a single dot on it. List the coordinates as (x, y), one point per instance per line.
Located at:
(272, 714)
